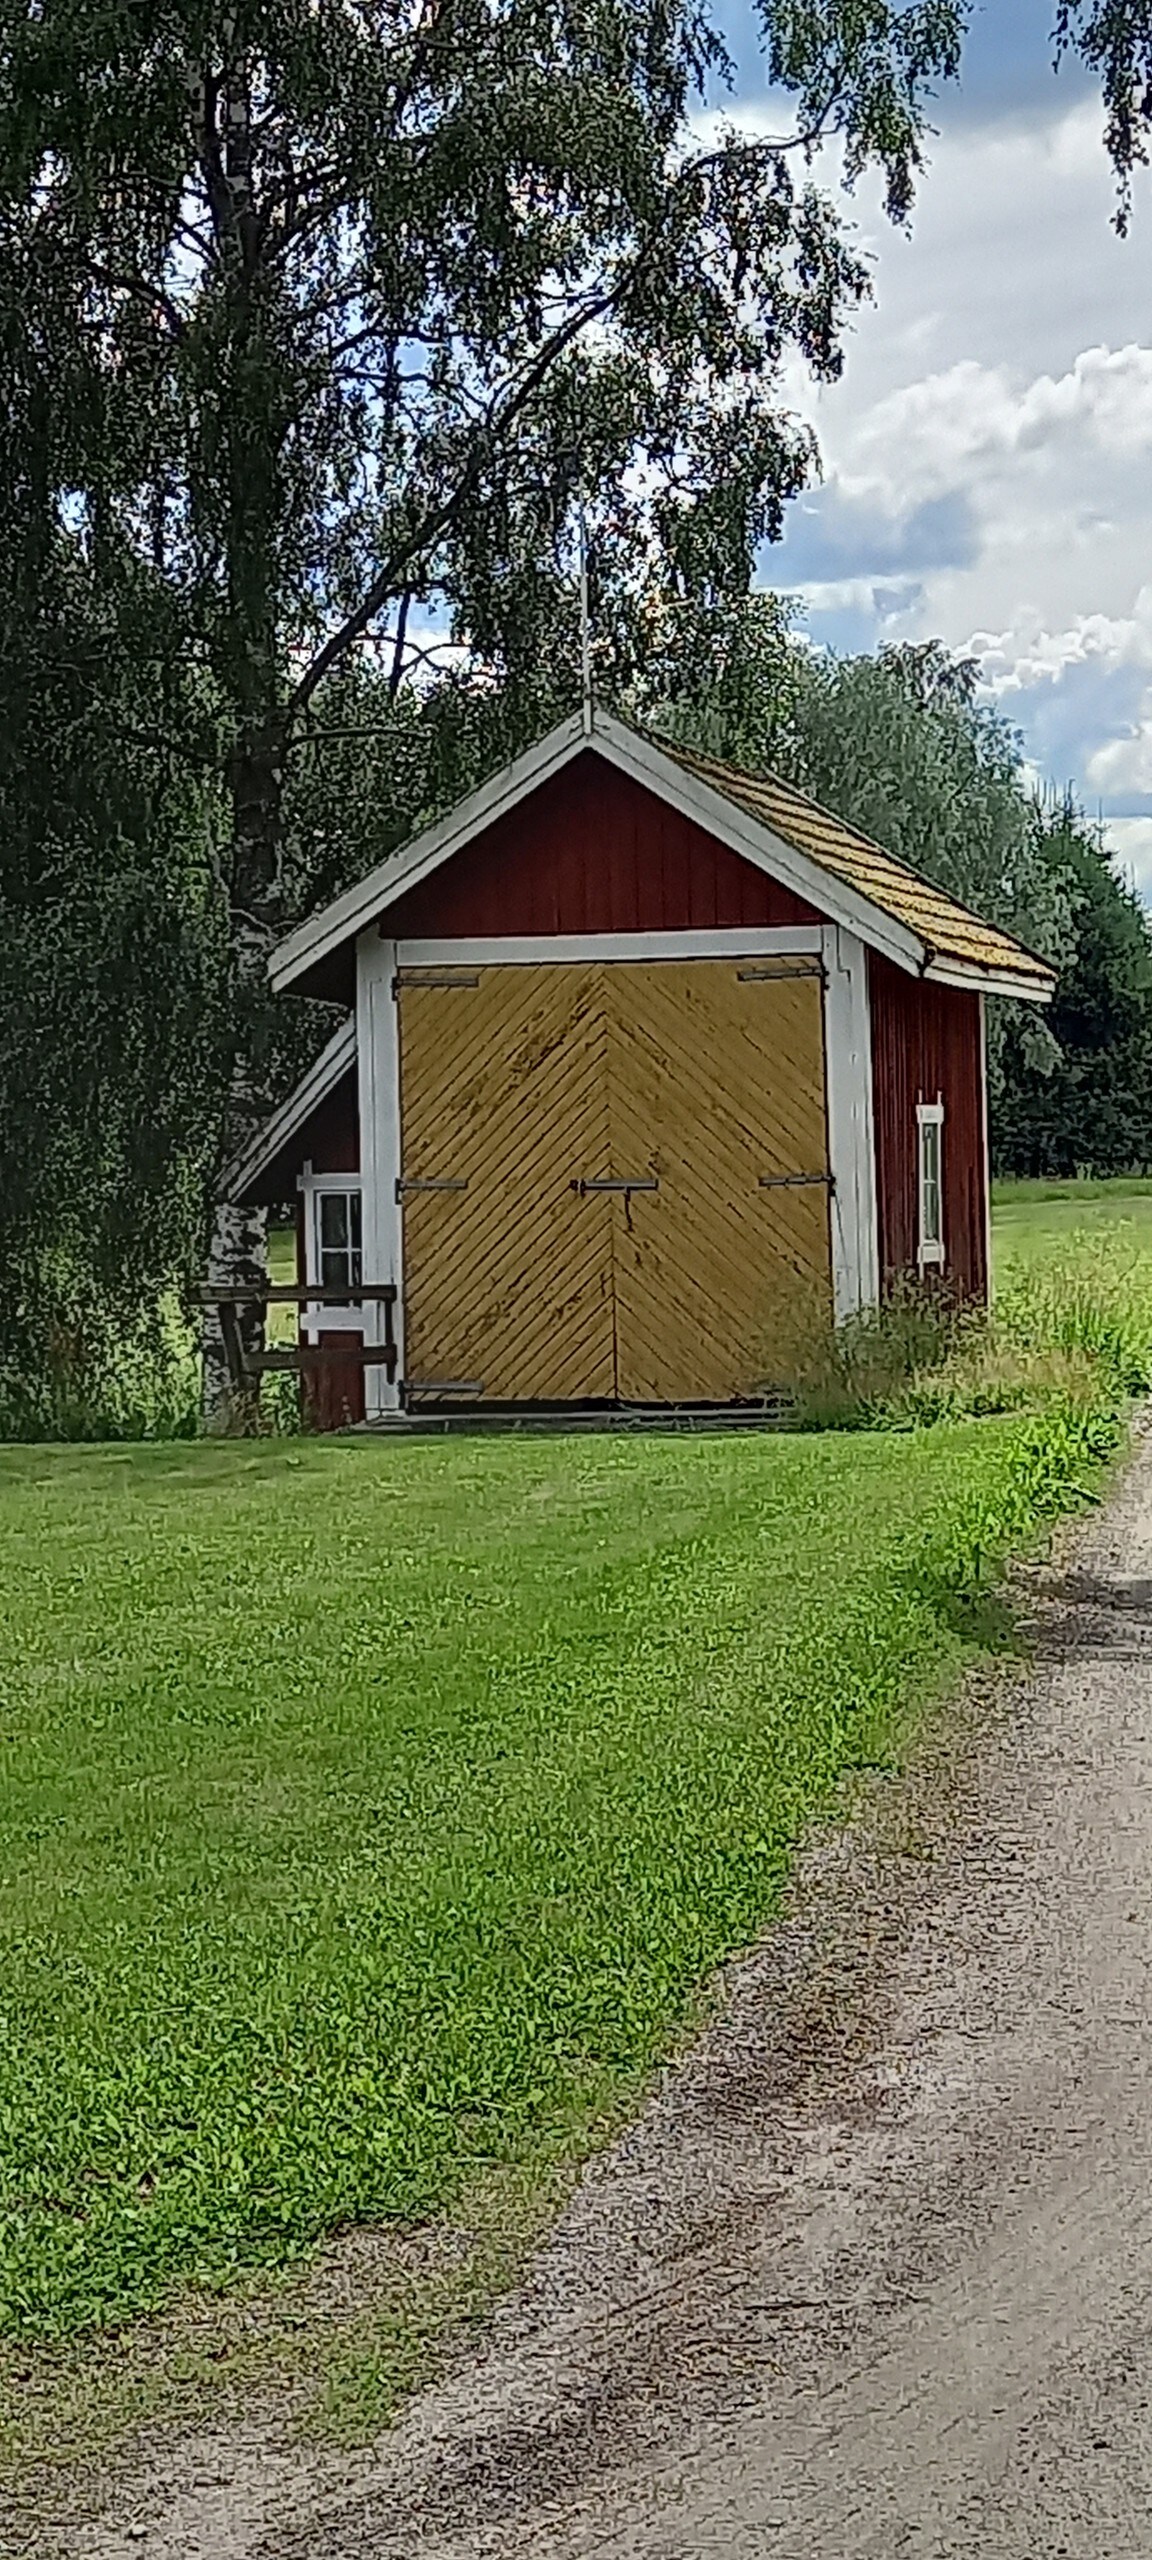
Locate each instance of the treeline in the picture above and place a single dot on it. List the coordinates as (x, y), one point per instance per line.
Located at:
(901, 744)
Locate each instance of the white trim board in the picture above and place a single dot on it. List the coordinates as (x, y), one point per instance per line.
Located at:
(644, 762)
(757, 843)
(381, 1217)
(851, 1134)
(314, 1087)
(748, 942)
(989, 982)
(314, 1319)
(368, 899)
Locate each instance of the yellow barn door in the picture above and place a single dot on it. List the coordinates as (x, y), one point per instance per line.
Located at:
(614, 1178)
(507, 1274)
(716, 1094)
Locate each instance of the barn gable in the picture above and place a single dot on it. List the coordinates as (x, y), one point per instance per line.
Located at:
(600, 820)
(594, 851)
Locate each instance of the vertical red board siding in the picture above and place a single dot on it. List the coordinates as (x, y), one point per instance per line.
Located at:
(333, 1397)
(593, 852)
(926, 1041)
(330, 1140)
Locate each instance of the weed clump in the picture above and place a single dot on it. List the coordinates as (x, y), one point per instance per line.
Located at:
(1072, 1331)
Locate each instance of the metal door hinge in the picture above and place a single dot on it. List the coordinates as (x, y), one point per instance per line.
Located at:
(409, 1182)
(434, 978)
(764, 973)
(443, 1386)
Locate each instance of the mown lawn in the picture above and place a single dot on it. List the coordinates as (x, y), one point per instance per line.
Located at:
(1035, 1219)
(367, 1808)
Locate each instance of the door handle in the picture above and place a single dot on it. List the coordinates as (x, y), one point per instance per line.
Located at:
(642, 1185)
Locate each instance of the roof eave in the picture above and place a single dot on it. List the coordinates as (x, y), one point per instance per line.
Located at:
(992, 982)
(759, 844)
(314, 1087)
(360, 906)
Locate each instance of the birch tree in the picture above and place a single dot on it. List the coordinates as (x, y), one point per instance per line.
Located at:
(364, 293)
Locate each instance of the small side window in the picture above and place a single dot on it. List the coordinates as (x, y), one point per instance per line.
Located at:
(930, 1183)
(339, 1261)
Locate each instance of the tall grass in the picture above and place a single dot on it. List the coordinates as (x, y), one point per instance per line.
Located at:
(1074, 1329)
(98, 1381)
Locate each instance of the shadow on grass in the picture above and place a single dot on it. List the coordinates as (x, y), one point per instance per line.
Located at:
(982, 1614)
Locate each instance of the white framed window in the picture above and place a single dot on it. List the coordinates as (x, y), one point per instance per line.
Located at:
(930, 1184)
(339, 1246)
(333, 1246)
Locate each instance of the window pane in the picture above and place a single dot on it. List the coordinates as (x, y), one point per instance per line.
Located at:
(356, 1267)
(354, 1219)
(334, 1268)
(929, 1182)
(333, 1218)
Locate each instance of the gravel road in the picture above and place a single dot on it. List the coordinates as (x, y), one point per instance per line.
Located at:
(873, 2272)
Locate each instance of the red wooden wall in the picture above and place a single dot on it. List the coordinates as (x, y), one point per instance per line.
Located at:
(926, 1041)
(593, 852)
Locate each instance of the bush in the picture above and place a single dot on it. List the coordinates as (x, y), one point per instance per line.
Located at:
(105, 1380)
(99, 1381)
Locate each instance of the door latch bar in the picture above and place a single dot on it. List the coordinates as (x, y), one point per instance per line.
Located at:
(582, 1187)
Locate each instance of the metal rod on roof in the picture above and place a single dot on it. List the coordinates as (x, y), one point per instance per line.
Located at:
(585, 631)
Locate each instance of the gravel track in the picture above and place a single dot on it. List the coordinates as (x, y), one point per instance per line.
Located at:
(872, 2274)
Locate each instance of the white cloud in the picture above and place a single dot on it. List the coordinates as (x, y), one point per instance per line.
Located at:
(1026, 653)
(1002, 383)
(958, 429)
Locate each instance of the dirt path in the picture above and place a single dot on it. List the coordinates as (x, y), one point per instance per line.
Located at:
(873, 2274)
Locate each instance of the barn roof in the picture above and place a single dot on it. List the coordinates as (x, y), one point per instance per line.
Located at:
(777, 828)
(949, 931)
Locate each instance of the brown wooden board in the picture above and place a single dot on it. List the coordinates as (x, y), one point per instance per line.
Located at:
(716, 1081)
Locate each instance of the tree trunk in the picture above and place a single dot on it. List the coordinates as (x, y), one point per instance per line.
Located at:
(237, 1258)
(238, 1251)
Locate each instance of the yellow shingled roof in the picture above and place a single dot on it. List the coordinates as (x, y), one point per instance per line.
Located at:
(948, 931)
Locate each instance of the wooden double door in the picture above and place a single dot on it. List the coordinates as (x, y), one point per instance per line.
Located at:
(614, 1178)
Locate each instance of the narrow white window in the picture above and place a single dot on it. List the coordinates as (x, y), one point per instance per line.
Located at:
(930, 1183)
(339, 1253)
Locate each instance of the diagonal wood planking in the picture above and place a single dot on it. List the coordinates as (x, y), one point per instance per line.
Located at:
(715, 1080)
(510, 1282)
(681, 1072)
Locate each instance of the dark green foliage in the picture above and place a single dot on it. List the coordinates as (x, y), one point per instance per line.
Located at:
(900, 745)
(318, 324)
(111, 971)
(1114, 38)
(1090, 1108)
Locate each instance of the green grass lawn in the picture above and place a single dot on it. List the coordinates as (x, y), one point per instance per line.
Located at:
(369, 1810)
(1030, 1219)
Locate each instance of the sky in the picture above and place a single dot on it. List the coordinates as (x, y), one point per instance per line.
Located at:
(987, 453)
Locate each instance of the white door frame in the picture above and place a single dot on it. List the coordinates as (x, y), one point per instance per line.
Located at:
(848, 1083)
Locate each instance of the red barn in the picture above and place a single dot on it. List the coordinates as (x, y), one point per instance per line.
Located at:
(646, 1062)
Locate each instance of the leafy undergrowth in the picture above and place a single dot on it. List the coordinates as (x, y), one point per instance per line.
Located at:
(370, 1811)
